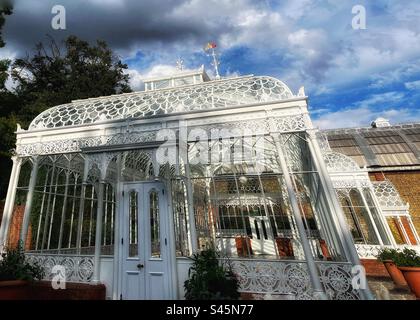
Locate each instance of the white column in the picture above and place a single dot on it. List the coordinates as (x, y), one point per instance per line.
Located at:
(76, 177)
(343, 228)
(82, 206)
(63, 211)
(119, 214)
(41, 213)
(192, 234)
(370, 216)
(47, 212)
(336, 226)
(29, 200)
(98, 231)
(183, 149)
(10, 201)
(103, 166)
(312, 268)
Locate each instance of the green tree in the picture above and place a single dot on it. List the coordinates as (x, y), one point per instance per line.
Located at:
(55, 75)
(7, 102)
(5, 9)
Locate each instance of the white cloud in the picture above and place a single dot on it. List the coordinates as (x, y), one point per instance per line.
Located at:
(159, 70)
(375, 100)
(312, 40)
(413, 85)
(363, 116)
(363, 112)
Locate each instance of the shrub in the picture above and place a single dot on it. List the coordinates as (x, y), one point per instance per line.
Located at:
(407, 258)
(13, 266)
(208, 280)
(387, 254)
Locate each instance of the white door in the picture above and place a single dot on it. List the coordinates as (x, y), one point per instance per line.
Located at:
(262, 241)
(145, 242)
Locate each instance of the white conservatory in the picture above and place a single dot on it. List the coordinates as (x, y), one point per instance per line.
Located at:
(121, 190)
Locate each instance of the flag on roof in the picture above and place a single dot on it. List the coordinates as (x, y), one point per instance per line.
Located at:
(210, 45)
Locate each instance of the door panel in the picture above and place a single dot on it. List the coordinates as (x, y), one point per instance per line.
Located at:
(145, 265)
(262, 237)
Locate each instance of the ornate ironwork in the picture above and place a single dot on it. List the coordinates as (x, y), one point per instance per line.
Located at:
(370, 251)
(78, 268)
(208, 95)
(292, 278)
(338, 162)
(337, 281)
(351, 183)
(387, 194)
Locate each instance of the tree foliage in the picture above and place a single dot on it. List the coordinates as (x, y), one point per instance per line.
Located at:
(5, 10)
(56, 75)
(14, 266)
(209, 280)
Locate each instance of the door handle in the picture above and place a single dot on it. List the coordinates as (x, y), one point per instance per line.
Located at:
(140, 266)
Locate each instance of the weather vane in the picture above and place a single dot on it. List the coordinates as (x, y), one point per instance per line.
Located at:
(180, 64)
(209, 48)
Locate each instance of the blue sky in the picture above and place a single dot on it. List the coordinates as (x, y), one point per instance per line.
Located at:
(351, 76)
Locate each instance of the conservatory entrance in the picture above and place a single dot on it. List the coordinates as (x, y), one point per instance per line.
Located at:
(145, 224)
(124, 190)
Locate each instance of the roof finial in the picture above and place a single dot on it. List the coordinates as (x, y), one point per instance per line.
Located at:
(180, 64)
(209, 49)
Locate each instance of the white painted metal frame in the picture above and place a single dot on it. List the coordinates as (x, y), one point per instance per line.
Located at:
(271, 107)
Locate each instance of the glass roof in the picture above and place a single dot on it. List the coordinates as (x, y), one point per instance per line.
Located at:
(204, 96)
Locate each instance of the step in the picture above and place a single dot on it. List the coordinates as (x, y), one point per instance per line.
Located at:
(383, 288)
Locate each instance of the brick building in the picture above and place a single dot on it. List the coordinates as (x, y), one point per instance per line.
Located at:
(389, 153)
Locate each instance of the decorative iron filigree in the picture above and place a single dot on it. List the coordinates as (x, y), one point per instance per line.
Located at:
(337, 281)
(292, 277)
(338, 162)
(387, 194)
(370, 251)
(208, 95)
(78, 268)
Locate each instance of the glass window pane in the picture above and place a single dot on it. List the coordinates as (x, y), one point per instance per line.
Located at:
(162, 84)
(154, 225)
(133, 224)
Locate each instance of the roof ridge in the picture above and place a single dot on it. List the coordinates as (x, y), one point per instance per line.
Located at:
(159, 90)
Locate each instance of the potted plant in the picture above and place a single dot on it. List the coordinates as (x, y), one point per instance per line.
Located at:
(209, 280)
(387, 256)
(16, 273)
(408, 261)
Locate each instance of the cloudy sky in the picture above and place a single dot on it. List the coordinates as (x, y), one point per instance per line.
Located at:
(351, 76)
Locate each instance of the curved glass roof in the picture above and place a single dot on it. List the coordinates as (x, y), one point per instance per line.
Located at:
(204, 96)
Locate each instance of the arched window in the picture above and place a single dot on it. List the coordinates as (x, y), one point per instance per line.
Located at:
(357, 216)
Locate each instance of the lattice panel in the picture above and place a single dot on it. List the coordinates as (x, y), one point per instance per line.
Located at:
(337, 162)
(371, 251)
(209, 95)
(283, 277)
(387, 194)
(273, 277)
(337, 281)
(78, 268)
